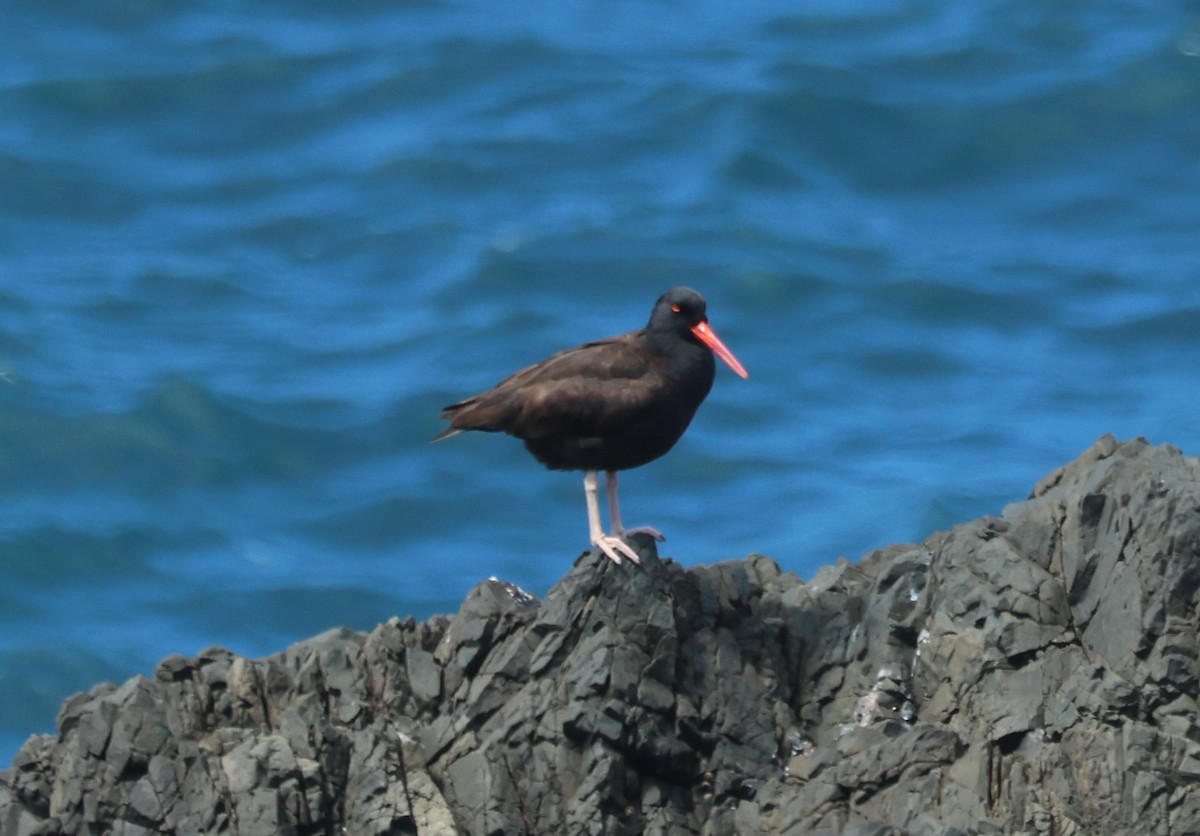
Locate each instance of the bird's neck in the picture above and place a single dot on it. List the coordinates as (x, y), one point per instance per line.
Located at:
(682, 354)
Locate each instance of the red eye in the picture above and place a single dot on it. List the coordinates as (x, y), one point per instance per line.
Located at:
(676, 308)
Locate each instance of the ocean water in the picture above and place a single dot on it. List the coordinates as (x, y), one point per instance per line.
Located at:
(248, 251)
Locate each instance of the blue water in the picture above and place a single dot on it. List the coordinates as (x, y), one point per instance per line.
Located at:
(248, 251)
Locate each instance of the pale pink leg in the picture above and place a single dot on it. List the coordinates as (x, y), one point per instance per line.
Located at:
(613, 547)
(614, 511)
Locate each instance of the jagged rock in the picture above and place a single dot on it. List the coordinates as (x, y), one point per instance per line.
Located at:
(1035, 672)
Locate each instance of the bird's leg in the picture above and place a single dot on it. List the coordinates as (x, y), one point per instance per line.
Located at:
(613, 547)
(614, 511)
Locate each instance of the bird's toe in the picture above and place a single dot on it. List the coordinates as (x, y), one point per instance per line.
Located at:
(647, 530)
(615, 549)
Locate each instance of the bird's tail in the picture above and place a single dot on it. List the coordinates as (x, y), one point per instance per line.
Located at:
(446, 434)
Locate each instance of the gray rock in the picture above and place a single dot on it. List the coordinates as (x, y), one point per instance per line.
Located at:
(1037, 672)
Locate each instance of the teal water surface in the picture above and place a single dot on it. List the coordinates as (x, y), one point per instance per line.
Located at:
(248, 251)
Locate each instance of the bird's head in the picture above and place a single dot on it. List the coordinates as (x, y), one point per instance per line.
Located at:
(683, 312)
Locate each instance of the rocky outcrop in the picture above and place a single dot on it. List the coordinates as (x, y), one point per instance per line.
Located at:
(1035, 672)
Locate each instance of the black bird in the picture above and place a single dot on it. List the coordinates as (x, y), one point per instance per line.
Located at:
(608, 405)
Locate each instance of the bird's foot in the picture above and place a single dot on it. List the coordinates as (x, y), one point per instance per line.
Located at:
(645, 529)
(615, 548)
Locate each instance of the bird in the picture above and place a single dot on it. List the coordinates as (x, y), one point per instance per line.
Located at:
(609, 405)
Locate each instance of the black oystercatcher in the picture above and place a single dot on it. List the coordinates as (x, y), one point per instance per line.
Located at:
(609, 405)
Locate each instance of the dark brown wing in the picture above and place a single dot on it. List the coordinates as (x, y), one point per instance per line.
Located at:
(581, 391)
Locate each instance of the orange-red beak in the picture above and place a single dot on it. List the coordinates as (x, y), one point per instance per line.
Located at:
(709, 337)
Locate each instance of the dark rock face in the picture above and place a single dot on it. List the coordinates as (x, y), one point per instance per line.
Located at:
(1031, 673)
